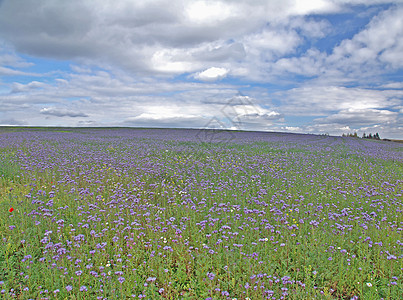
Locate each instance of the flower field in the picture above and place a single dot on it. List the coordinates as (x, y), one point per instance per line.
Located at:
(168, 214)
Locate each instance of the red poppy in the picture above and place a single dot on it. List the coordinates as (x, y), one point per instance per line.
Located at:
(11, 209)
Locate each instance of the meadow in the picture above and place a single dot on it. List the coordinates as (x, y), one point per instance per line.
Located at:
(188, 214)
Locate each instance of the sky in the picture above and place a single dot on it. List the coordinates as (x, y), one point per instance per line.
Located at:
(299, 66)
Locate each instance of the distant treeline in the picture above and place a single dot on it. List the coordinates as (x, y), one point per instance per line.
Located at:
(364, 136)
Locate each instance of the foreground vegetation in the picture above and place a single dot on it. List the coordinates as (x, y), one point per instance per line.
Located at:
(165, 214)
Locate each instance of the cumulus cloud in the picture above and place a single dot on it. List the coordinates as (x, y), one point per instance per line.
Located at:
(135, 62)
(360, 117)
(19, 87)
(380, 42)
(320, 100)
(142, 37)
(212, 74)
(62, 112)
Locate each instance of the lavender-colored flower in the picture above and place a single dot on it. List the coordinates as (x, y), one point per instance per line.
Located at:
(83, 288)
(210, 276)
(121, 279)
(69, 288)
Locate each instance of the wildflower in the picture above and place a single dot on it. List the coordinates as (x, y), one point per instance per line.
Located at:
(121, 279)
(11, 209)
(369, 284)
(69, 288)
(151, 279)
(83, 288)
(210, 275)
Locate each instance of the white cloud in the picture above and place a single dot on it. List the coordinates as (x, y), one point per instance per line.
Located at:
(62, 112)
(303, 7)
(160, 36)
(322, 100)
(276, 40)
(380, 42)
(207, 12)
(360, 117)
(392, 85)
(312, 63)
(212, 74)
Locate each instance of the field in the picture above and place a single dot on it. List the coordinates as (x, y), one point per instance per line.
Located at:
(188, 214)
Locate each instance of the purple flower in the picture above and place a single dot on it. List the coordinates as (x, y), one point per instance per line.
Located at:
(78, 273)
(210, 275)
(121, 279)
(69, 288)
(83, 288)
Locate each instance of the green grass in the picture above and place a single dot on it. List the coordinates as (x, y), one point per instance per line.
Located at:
(260, 217)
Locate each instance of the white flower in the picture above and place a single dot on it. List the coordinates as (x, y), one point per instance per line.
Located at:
(369, 284)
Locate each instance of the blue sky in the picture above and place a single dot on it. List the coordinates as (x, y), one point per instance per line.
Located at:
(314, 66)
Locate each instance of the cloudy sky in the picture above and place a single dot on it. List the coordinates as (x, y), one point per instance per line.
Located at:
(308, 66)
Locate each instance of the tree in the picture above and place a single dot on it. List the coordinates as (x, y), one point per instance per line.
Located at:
(364, 136)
